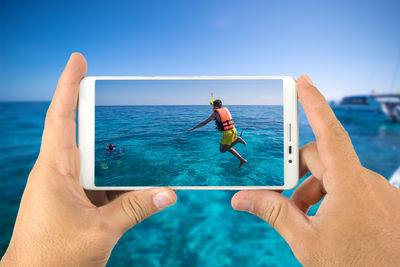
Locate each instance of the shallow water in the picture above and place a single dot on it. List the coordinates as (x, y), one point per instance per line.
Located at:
(201, 229)
(157, 150)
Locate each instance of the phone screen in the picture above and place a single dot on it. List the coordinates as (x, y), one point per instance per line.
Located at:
(189, 133)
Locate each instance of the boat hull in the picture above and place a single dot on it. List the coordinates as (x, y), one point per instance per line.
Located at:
(362, 114)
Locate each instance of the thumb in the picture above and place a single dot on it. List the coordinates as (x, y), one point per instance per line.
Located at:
(133, 207)
(280, 212)
(60, 125)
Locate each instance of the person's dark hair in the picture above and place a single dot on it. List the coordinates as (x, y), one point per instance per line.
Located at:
(217, 103)
(111, 146)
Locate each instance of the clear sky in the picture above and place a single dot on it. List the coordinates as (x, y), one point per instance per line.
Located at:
(189, 92)
(346, 46)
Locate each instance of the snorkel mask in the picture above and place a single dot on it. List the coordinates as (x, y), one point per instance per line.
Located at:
(212, 100)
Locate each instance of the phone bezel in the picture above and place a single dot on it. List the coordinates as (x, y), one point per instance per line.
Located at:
(86, 131)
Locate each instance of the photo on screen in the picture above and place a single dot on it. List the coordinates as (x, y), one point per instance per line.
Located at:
(144, 133)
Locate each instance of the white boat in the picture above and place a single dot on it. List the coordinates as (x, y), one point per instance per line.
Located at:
(384, 107)
(395, 179)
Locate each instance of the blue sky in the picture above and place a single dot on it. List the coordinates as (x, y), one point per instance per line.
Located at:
(189, 92)
(346, 46)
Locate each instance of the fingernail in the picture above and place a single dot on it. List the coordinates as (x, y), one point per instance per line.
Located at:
(244, 205)
(308, 79)
(162, 200)
(70, 56)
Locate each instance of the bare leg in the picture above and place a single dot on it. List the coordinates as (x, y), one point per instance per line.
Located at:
(236, 154)
(238, 140)
(224, 148)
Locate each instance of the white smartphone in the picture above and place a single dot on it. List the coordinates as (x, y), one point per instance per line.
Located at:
(211, 132)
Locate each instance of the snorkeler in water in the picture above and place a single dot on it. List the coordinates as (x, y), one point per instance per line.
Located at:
(112, 149)
(224, 122)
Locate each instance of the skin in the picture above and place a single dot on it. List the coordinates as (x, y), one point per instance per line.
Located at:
(58, 223)
(223, 148)
(358, 221)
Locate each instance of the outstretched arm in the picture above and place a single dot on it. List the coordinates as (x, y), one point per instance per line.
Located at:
(212, 116)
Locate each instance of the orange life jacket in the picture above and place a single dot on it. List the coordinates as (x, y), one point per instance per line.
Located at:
(226, 122)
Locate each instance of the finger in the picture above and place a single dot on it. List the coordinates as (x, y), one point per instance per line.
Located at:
(66, 96)
(310, 161)
(133, 207)
(281, 213)
(60, 119)
(309, 193)
(334, 145)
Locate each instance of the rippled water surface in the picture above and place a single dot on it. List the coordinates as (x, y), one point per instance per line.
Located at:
(157, 150)
(201, 229)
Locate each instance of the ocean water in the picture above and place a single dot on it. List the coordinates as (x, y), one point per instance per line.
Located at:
(157, 150)
(201, 229)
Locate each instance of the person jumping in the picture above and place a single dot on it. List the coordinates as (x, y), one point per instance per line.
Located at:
(224, 122)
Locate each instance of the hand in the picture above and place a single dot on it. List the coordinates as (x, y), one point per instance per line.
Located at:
(191, 129)
(358, 221)
(57, 223)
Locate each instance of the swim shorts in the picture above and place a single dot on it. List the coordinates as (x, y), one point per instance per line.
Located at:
(228, 136)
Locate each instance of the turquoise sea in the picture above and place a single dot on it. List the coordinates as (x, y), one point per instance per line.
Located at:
(157, 150)
(201, 229)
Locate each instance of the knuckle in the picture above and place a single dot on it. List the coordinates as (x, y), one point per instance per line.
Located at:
(308, 147)
(312, 145)
(337, 130)
(304, 153)
(134, 209)
(273, 213)
(100, 229)
(319, 102)
(53, 119)
(49, 115)
(341, 132)
(55, 114)
(97, 238)
(94, 232)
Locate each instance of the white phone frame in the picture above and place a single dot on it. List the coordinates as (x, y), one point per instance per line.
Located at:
(86, 134)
